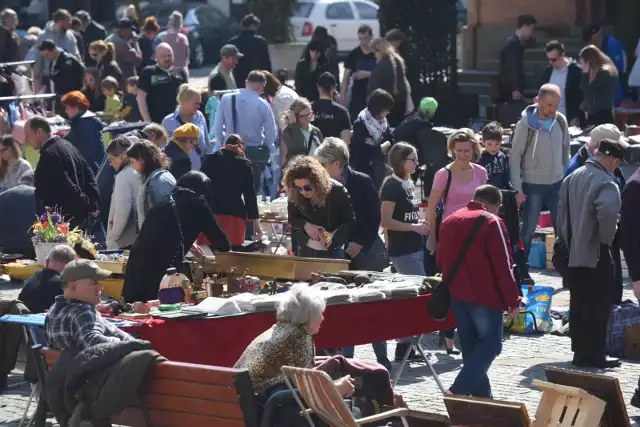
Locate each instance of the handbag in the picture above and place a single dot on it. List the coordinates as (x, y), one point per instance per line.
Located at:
(440, 301)
(259, 154)
(440, 207)
(562, 249)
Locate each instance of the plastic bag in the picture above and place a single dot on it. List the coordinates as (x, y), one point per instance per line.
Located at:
(534, 317)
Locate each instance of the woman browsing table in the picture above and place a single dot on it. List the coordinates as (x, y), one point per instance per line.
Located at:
(319, 210)
(12, 166)
(599, 85)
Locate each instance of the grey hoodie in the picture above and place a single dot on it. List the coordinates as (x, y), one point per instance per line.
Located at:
(548, 155)
(64, 40)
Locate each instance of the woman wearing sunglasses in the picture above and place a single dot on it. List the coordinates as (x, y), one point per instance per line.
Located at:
(185, 140)
(299, 137)
(320, 209)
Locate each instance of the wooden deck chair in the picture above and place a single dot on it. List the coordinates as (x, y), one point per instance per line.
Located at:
(322, 397)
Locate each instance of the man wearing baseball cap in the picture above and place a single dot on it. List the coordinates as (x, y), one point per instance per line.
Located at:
(588, 213)
(72, 320)
(222, 78)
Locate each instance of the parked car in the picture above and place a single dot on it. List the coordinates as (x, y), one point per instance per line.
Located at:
(341, 17)
(207, 28)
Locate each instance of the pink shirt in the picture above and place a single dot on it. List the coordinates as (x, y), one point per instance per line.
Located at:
(180, 45)
(459, 194)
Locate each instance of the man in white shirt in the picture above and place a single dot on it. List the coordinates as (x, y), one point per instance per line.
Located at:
(566, 74)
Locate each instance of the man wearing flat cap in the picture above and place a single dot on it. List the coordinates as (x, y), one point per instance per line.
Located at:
(588, 215)
(72, 320)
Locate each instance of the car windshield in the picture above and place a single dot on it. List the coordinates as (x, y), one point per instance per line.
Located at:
(303, 10)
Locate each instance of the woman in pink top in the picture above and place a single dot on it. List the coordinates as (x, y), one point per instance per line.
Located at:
(178, 41)
(462, 177)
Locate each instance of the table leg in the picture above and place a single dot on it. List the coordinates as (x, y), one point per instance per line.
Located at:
(275, 234)
(400, 368)
(425, 356)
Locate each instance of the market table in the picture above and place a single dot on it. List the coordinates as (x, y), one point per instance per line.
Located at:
(220, 341)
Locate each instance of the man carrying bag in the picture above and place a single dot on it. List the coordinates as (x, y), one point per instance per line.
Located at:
(475, 257)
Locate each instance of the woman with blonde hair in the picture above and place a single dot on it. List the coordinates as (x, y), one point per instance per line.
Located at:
(188, 111)
(12, 166)
(178, 41)
(389, 74)
(599, 85)
(299, 137)
(320, 209)
(104, 54)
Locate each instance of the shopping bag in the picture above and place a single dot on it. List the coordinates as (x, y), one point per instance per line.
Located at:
(623, 315)
(534, 317)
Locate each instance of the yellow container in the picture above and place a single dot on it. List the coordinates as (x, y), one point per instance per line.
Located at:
(113, 287)
(19, 271)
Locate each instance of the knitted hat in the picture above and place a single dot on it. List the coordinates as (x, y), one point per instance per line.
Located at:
(428, 106)
(187, 130)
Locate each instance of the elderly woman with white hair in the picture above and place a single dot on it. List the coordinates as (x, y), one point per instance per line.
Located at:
(288, 343)
(178, 41)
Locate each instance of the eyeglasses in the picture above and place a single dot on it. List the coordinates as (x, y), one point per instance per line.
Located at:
(306, 115)
(412, 159)
(552, 60)
(3, 149)
(304, 189)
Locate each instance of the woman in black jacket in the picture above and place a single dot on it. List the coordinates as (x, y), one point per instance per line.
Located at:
(309, 69)
(168, 233)
(185, 140)
(629, 231)
(372, 137)
(233, 198)
(104, 55)
(599, 85)
(319, 209)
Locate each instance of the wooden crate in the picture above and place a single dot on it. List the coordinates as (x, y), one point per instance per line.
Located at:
(566, 406)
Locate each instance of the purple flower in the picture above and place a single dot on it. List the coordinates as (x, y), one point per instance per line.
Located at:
(55, 218)
(44, 217)
(47, 208)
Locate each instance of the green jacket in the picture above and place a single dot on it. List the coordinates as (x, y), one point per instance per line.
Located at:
(294, 140)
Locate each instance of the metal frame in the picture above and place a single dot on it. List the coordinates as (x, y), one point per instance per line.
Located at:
(19, 63)
(415, 344)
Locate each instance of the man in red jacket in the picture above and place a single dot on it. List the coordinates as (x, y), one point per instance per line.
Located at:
(482, 289)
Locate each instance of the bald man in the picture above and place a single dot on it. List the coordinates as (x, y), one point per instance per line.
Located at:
(539, 159)
(158, 86)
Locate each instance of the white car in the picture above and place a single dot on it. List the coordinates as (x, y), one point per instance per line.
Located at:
(341, 17)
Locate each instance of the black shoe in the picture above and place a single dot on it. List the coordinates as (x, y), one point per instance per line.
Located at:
(453, 351)
(635, 400)
(605, 363)
(401, 349)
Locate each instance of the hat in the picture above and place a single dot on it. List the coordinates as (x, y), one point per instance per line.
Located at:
(83, 269)
(125, 23)
(428, 106)
(230, 50)
(589, 31)
(615, 149)
(602, 132)
(187, 130)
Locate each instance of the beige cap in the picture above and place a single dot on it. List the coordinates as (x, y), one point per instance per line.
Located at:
(602, 132)
(83, 269)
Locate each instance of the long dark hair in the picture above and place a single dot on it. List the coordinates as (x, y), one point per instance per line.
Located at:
(318, 46)
(151, 156)
(7, 141)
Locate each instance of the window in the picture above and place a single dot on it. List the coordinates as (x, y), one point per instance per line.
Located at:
(339, 11)
(303, 10)
(210, 16)
(366, 11)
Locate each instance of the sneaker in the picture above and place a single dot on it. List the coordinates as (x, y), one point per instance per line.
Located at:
(635, 400)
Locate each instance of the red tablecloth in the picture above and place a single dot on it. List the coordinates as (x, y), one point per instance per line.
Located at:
(221, 341)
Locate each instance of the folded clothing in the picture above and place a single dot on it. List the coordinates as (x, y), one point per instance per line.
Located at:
(328, 286)
(366, 294)
(339, 296)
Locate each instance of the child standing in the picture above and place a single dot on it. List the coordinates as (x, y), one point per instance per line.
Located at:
(91, 90)
(130, 111)
(493, 159)
(109, 86)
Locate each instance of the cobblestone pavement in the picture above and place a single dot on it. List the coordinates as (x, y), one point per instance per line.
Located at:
(523, 359)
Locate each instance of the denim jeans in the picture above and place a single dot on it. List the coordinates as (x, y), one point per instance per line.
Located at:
(372, 259)
(413, 265)
(379, 348)
(538, 195)
(480, 334)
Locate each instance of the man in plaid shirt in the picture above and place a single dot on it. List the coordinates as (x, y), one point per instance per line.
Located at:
(73, 321)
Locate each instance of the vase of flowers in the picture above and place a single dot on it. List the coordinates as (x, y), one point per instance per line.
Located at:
(50, 229)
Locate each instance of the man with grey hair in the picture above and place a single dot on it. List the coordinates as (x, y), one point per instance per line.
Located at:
(41, 289)
(365, 247)
(9, 40)
(538, 161)
(158, 86)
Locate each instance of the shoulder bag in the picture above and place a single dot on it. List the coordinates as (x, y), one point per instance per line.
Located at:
(440, 301)
(562, 249)
(440, 207)
(259, 154)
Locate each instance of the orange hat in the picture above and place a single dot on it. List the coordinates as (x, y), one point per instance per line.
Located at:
(75, 99)
(187, 130)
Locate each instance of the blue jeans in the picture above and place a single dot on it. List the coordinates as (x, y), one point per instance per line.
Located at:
(379, 348)
(373, 258)
(413, 265)
(538, 195)
(480, 334)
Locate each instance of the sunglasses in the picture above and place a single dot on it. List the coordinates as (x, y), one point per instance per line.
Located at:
(306, 189)
(306, 115)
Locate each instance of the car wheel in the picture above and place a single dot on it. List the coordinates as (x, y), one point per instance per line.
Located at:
(197, 55)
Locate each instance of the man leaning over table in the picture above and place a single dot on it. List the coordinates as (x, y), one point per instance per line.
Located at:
(73, 321)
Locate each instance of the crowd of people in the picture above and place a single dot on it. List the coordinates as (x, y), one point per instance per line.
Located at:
(349, 155)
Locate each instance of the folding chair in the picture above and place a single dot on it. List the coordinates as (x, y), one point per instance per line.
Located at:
(323, 399)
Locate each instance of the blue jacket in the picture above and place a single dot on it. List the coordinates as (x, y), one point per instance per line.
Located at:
(86, 136)
(615, 50)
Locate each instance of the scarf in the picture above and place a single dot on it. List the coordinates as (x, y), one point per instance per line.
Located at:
(375, 127)
(234, 148)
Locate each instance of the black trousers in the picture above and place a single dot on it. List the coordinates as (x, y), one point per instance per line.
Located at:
(590, 307)
(616, 290)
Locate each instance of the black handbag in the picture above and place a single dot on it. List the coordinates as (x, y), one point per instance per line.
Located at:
(440, 207)
(440, 301)
(562, 249)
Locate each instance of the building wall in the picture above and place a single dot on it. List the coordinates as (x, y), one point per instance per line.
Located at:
(550, 13)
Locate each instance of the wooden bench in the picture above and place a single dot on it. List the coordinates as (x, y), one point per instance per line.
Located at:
(183, 395)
